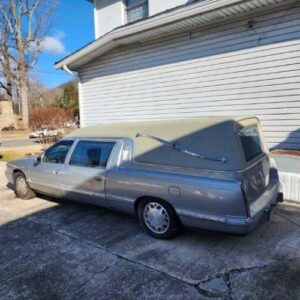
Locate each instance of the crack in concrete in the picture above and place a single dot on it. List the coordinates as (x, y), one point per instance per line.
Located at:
(226, 276)
(205, 293)
(247, 269)
(127, 291)
(225, 295)
(229, 286)
(95, 274)
(288, 219)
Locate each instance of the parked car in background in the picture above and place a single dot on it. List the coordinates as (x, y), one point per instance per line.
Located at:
(47, 132)
(211, 173)
(70, 125)
(36, 134)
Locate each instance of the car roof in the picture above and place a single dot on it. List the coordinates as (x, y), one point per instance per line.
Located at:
(211, 136)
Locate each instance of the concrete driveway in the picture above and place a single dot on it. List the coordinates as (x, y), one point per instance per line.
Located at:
(63, 250)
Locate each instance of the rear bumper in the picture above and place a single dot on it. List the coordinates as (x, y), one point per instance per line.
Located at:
(231, 224)
(262, 216)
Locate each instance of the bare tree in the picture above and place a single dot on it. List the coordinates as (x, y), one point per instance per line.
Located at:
(38, 94)
(26, 23)
(5, 61)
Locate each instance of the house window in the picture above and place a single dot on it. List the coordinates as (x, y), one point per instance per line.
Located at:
(136, 10)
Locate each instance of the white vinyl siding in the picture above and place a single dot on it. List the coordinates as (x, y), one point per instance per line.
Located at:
(158, 6)
(108, 15)
(226, 70)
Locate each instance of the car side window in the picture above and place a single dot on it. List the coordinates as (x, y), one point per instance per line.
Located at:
(91, 154)
(57, 153)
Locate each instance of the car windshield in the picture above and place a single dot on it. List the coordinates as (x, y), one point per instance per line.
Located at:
(58, 152)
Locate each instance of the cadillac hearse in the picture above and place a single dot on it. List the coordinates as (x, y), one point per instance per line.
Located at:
(213, 173)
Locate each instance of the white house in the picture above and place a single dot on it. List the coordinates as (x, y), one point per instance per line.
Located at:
(180, 58)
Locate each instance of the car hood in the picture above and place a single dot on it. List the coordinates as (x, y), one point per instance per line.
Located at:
(23, 162)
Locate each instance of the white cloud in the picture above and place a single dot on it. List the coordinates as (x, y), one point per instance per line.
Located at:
(51, 44)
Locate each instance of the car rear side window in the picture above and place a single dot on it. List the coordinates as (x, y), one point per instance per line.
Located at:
(91, 154)
(251, 142)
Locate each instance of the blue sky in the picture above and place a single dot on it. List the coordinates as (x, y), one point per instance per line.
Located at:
(73, 27)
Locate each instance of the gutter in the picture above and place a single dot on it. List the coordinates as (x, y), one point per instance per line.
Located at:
(114, 38)
(65, 67)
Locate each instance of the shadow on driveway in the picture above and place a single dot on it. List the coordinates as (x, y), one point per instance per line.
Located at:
(57, 249)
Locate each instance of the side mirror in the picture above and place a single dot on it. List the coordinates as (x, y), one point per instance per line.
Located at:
(38, 160)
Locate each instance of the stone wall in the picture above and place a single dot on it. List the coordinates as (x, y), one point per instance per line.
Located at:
(7, 117)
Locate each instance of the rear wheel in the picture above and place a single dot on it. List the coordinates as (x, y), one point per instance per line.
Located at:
(158, 218)
(21, 187)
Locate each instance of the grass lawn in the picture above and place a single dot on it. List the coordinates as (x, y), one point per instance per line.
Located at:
(13, 154)
(15, 134)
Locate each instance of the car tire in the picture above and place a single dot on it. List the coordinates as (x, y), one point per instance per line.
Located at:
(158, 218)
(21, 187)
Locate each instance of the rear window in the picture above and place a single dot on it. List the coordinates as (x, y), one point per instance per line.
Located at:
(250, 141)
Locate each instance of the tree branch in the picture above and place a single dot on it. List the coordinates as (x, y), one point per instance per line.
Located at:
(7, 20)
(6, 89)
(30, 13)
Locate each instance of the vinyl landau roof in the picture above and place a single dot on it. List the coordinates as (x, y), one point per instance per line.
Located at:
(208, 136)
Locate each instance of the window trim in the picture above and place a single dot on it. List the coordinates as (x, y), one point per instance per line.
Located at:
(137, 4)
(133, 6)
(100, 140)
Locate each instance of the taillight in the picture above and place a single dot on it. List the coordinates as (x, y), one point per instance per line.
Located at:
(246, 203)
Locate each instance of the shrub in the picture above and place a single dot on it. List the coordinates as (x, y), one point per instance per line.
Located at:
(9, 128)
(49, 116)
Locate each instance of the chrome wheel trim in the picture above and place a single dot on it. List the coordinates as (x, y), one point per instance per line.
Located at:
(156, 218)
(21, 185)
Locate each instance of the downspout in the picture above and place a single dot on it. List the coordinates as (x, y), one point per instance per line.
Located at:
(65, 67)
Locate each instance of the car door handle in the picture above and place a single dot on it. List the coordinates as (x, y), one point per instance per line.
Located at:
(98, 178)
(58, 173)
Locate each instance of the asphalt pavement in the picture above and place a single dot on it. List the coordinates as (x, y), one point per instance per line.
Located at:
(19, 142)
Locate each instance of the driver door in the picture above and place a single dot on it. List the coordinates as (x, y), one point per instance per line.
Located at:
(46, 175)
(85, 174)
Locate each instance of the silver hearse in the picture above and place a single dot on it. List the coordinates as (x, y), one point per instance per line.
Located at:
(211, 173)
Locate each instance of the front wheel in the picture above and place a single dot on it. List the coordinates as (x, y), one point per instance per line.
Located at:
(21, 187)
(158, 218)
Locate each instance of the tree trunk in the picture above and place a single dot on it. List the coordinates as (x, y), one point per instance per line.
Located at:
(24, 102)
(9, 84)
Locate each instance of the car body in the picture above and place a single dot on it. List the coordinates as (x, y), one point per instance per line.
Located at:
(36, 134)
(211, 173)
(70, 124)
